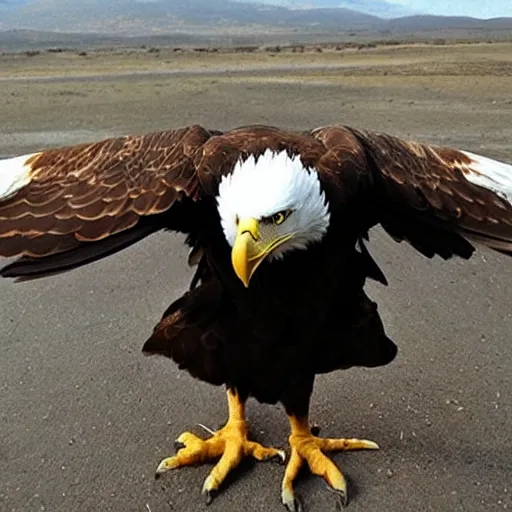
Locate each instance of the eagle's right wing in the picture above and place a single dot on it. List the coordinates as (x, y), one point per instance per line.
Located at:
(111, 193)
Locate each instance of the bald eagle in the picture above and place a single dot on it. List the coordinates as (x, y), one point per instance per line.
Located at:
(276, 221)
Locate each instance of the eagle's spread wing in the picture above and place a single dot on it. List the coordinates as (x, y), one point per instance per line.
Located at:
(116, 191)
(437, 198)
(112, 192)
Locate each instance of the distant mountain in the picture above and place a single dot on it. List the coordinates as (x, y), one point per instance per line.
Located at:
(145, 17)
(137, 16)
(380, 8)
(430, 22)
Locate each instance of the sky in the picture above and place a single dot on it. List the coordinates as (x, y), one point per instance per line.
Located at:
(475, 8)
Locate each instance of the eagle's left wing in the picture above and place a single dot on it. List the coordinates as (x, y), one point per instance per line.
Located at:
(439, 199)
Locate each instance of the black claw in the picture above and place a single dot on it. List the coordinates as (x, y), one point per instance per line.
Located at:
(178, 445)
(315, 430)
(295, 506)
(342, 501)
(278, 459)
(210, 495)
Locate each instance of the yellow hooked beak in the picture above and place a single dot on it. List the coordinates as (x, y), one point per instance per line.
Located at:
(249, 250)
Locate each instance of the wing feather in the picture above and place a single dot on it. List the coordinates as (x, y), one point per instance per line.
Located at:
(54, 200)
(445, 187)
(438, 198)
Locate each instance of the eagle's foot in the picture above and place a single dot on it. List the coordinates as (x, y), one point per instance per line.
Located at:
(230, 443)
(306, 447)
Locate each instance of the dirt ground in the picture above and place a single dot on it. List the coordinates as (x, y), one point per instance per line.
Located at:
(85, 418)
(411, 91)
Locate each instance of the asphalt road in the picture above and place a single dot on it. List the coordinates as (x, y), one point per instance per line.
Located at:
(85, 418)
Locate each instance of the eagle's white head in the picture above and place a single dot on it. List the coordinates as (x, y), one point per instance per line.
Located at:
(269, 207)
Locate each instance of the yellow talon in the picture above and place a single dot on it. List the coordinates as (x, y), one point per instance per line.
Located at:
(306, 447)
(230, 443)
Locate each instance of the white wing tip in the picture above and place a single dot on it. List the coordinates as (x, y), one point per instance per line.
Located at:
(491, 174)
(15, 173)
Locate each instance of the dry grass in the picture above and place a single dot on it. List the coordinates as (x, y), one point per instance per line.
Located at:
(454, 94)
(403, 59)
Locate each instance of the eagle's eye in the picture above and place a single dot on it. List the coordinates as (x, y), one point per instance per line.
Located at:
(280, 217)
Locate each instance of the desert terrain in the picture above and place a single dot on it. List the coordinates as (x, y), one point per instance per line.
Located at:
(85, 418)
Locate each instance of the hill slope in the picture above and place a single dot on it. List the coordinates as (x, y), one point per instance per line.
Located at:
(138, 16)
(144, 17)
